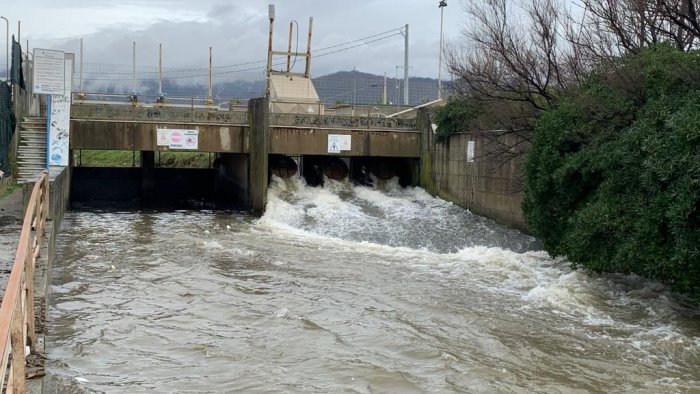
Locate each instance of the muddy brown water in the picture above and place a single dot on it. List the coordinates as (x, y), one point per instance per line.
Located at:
(349, 289)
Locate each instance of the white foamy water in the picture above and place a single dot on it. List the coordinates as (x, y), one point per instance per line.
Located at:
(355, 289)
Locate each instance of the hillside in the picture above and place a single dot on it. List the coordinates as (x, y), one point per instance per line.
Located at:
(340, 87)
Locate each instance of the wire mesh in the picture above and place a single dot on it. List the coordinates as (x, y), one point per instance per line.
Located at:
(246, 80)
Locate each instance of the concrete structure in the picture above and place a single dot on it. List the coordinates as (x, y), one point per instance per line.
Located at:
(491, 185)
(243, 141)
(294, 94)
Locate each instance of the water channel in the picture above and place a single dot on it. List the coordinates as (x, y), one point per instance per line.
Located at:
(349, 289)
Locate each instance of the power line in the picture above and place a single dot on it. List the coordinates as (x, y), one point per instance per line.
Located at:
(358, 45)
(225, 69)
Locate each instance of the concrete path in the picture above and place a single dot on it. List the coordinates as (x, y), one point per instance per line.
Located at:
(11, 215)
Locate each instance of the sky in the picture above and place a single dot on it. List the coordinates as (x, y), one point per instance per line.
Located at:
(237, 31)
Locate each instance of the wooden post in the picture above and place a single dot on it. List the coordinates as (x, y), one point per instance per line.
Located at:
(29, 288)
(17, 340)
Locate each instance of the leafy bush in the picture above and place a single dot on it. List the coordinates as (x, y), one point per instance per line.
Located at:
(454, 117)
(613, 175)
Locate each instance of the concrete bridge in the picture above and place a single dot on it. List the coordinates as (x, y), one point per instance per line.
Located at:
(250, 144)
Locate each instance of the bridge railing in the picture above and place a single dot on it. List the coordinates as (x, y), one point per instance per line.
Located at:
(150, 100)
(107, 111)
(17, 325)
(341, 121)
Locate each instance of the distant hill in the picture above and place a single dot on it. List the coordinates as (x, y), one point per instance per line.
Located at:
(354, 87)
(341, 87)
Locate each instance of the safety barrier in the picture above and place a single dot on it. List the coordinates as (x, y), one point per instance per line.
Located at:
(17, 326)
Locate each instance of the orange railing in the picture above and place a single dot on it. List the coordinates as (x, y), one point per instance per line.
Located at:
(17, 329)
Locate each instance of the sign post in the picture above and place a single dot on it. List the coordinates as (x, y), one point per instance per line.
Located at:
(53, 76)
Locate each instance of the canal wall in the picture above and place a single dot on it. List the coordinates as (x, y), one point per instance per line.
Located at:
(59, 199)
(487, 180)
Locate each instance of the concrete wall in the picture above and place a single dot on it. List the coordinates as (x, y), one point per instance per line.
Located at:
(491, 185)
(232, 178)
(304, 141)
(127, 135)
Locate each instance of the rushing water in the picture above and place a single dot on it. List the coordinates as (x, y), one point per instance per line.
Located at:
(349, 289)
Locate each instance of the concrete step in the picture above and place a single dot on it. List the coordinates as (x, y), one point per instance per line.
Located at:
(32, 154)
(31, 151)
(34, 140)
(30, 159)
(31, 166)
(26, 155)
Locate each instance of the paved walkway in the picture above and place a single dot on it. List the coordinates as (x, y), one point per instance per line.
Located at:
(11, 215)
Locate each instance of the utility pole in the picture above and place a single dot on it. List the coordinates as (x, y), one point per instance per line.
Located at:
(405, 68)
(81, 66)
(268, 82)
(384, 98)
(442, 5)
(210, 99)
(133, 69)
(160, 71)
(398, 91)
(307, 71)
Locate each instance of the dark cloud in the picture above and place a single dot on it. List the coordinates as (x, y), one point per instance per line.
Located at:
(238, 32)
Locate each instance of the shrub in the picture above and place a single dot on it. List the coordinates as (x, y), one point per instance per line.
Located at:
(613, 175)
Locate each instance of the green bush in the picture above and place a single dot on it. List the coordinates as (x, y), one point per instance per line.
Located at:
(454, 117)
(613, 175)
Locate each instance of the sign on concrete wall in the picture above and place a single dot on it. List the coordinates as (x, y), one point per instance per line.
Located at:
(178, 138)
(59, 118)
(338, 143)
(470, 151)
(59, 135)
(49, 72)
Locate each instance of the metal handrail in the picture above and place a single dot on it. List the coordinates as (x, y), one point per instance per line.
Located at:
(17, 326)
(159, 101)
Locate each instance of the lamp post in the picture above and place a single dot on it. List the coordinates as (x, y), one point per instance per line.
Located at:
(442, 5)
(7, 46)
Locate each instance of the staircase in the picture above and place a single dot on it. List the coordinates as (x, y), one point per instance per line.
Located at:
(31, 152)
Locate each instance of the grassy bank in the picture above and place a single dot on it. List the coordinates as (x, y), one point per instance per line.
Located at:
(127, 158)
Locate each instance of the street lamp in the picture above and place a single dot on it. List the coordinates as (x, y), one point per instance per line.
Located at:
(441, 6)
(7, 46)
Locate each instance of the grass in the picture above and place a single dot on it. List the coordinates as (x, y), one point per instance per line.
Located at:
(106, 158)
(127, 158)
(9, 189)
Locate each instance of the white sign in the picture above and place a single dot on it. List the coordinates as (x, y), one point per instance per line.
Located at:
(59, 119)
(470, 151)
(178, 139)
(339, 142)
(59, 131)
(49, 72)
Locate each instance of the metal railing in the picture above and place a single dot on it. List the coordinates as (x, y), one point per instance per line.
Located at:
(160, 101)
(185, 114)
(17, 326)
(341, 121)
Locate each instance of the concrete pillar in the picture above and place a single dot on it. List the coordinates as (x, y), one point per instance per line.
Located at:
(232, 180)
(424, 124)
(148, 176)
(259, 119)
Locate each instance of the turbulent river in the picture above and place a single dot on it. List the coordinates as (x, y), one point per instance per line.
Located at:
(349, 289)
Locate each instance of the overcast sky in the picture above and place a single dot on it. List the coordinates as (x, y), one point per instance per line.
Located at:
(237, 31)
